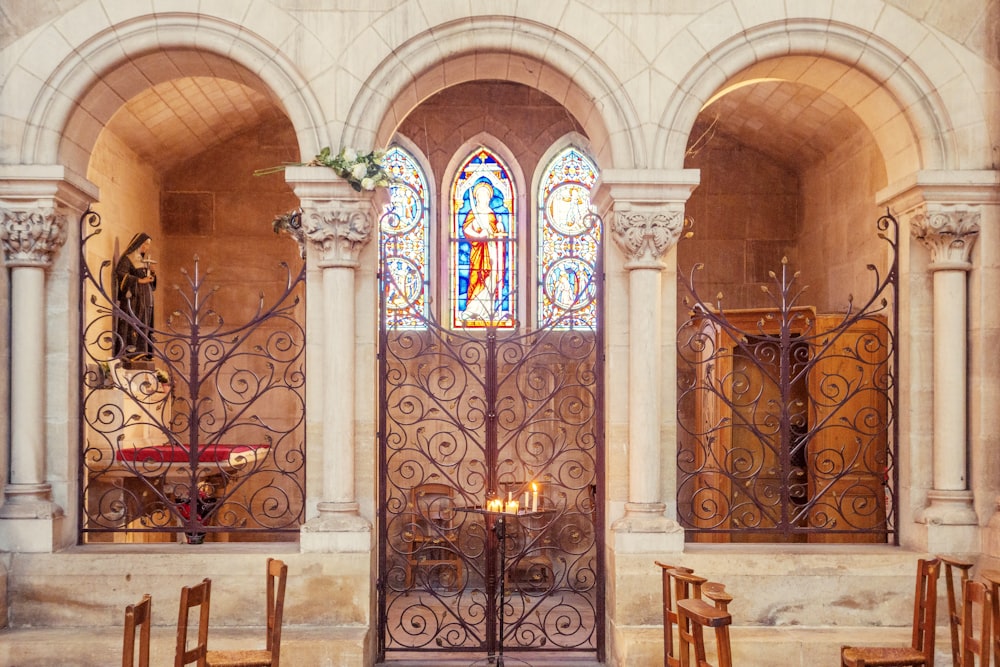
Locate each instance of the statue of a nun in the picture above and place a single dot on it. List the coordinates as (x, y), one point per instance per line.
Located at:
(134, 284)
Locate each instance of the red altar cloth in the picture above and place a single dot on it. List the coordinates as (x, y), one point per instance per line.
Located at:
(181, 454)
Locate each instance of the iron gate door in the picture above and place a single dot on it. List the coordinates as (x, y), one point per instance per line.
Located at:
(469, 417)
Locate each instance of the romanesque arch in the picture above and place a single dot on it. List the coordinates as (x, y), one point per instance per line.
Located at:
(481, 48)
(84, 91)
(904, 88)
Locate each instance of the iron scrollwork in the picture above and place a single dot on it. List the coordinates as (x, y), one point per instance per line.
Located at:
(786, 416)
(205, 433)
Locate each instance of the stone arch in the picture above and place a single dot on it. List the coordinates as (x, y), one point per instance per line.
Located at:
(83, 92)
(481, 47)
(915, 107)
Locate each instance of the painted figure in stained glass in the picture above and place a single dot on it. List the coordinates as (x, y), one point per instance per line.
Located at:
(483, 244)
(485, 233)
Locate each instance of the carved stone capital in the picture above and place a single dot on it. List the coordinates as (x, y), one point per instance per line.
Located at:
(645, 211)
(31, 237)
(949, 234)
(339, 232)
(645, 236)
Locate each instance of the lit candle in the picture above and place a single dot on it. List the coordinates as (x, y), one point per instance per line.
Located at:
(534, 497)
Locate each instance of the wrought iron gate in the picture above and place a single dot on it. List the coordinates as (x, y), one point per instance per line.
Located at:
(195, 426)
(470, 416)
(786, 416)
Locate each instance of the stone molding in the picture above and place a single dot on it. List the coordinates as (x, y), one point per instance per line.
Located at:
(31, 237)
(949, 234)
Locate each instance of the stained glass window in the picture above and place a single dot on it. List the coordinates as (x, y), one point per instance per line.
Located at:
(404, 236)
(483, 247)
(568, 241)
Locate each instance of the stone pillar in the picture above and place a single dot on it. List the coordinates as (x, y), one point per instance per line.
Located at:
(949, 233)
(30, 239)
(944, 210)
(644, 213)
(36, 201)
(337, 222)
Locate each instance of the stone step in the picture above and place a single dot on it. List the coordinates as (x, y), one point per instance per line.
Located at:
(339, 647)
(101, 647)
(788, 646)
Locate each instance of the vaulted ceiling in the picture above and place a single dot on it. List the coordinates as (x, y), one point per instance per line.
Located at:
(178, 119)
(793, 110)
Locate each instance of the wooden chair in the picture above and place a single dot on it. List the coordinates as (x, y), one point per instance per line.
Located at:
(433, 535)
(687, 586)
(670, 658)
(992, 578)
(951, 567)
(277, 576)
(694, 616)
(193, 596)
(975, 593)
(921, 649)
(139, 616)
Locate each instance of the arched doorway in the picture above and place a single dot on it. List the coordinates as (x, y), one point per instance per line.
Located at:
(491, 412)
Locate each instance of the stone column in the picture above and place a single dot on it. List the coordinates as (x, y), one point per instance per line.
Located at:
(337, 222)
(944, 210)
(30, 240)
(644, 213)
(950, 234)
(36, 203)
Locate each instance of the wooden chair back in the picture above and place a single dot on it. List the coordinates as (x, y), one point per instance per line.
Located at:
(694, 616)
(687, 586)
(992, 578)
(199, 596)
(137, 616)
(976, 594)
(953, 566)
(434, 535)
(921, 649)
(270, 656)
(670, 658)
(925, 608)
(277, 577)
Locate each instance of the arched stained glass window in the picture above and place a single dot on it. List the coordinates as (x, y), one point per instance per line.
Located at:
(404, 237)
(483, 245)
(568, 241)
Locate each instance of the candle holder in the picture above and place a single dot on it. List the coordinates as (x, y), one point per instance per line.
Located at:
(496, 521)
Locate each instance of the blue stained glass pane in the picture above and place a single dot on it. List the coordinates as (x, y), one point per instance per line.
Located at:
(404, 236)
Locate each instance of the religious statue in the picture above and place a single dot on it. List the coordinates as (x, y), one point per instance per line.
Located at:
(135, 281)
(487, 257)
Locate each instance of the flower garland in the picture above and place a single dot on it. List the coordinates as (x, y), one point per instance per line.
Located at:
(362, 171)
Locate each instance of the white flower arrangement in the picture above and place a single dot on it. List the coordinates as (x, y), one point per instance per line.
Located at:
(364, 171)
